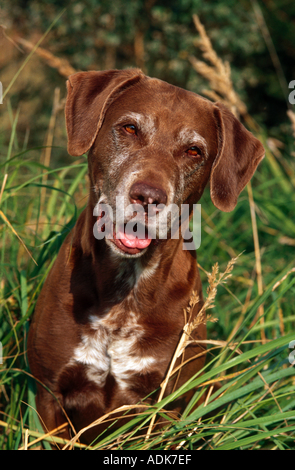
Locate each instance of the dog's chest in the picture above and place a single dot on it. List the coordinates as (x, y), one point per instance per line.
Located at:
(109, 348)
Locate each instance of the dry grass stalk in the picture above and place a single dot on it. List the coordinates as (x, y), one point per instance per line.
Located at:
(215, 279)
(46, 154)
(4, 35)
(3, 186)
(291, 115)
(3, 216)
(26, 439)
(282, 326)
(269, 390)
(103, 418)
(182, 443)
(260, 310)
(244, 309)
(277, 284)
(287, 240)
(41, 438)
(218, 74)
(62, 65)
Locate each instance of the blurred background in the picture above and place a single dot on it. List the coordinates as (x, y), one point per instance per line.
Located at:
(159, 36)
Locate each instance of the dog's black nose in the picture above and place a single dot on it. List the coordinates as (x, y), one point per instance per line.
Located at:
(145, 194)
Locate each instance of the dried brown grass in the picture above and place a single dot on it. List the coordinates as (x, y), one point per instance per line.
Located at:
(214, 279)
(63, 66)
(218, 74)
(291, 116)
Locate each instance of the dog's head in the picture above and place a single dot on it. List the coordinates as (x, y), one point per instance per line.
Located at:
(154, 147)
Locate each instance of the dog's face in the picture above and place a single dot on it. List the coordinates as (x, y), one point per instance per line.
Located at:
(153, 147)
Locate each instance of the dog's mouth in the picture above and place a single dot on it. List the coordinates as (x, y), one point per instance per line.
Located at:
(128, 242)
(123, 237)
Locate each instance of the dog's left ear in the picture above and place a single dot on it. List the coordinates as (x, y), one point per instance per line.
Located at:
(239, 153)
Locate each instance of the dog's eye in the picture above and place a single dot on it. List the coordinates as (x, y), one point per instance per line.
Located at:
(131, 129)
(194, 152)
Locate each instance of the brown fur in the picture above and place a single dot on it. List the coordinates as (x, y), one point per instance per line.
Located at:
(100, 312)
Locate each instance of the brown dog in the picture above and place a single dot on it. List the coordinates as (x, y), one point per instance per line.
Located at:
(110, 314)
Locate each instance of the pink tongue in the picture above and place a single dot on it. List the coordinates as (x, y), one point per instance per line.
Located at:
(131, 241)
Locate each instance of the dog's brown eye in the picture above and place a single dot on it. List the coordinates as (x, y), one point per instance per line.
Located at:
(194, 152)
(130, 129)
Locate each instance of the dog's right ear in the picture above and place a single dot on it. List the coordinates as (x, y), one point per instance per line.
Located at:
(238, 156)
(89, 96)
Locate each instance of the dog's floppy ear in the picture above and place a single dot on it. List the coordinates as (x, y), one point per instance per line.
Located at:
(89, 96)
(238, 155)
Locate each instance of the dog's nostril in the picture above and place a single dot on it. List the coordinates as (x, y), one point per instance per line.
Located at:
(144, 194)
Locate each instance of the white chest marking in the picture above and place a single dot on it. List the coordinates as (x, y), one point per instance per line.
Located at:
(106, 351)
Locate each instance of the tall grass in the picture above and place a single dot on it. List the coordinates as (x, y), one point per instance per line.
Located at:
(248, 348)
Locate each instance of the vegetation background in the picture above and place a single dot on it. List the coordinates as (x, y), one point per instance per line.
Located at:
(43, 189)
